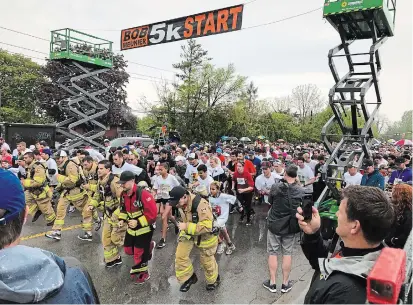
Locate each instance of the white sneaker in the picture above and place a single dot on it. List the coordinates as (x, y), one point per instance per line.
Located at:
(54, 235)
(221, 248)
(230, 249)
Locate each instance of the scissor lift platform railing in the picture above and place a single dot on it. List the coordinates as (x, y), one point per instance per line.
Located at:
(85, 58)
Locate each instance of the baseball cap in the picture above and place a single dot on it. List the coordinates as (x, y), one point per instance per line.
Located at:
(192, 156)
(352, 164)
(175, 195)
(106, 140)
(61, 153)
(180, 158)
(12, 196)
(265, 164)
(219, 150)
(46, 151)
(278, 162)
(399, 160)
(126, 176)
(367, 163)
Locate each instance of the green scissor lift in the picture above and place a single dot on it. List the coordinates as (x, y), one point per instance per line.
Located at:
(84, 58)
(354, 20)
(74, 45)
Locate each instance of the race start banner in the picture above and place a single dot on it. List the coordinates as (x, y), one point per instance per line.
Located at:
(204, 24)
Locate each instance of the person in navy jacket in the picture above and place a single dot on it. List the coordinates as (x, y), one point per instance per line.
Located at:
(402, 174)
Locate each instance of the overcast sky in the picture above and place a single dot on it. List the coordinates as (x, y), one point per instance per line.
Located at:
(276, 57)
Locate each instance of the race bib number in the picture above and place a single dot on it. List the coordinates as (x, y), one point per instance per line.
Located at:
(164, 191)
(241, 181)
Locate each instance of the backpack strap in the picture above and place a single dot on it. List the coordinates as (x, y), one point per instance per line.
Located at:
(194, 212)
(195, 203)
(111, 177)
(139, 191)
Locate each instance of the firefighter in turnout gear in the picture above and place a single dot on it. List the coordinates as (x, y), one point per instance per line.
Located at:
(37, 192)
(106, 199)
(90, 184)
(90, 174)
(138, 211)
(69, 185)
(195, 229)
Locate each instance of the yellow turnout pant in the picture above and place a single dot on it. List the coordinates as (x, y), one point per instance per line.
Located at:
(183, 264)
(44, 205)
(112, 238)
(79, 204)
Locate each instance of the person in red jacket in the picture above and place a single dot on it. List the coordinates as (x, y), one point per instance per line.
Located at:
(138, 209)
(243, 183)
(248, 165)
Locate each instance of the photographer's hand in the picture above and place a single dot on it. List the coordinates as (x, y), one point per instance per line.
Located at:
(309, 227)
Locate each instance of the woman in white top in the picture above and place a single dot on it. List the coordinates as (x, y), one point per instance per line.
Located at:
(216, 171)
(163, 184)
(223, 201)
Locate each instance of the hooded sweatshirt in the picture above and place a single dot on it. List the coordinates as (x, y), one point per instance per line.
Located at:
(341, 279)
(32, 275)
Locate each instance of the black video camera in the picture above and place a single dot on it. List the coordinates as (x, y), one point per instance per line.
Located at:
(307, 206)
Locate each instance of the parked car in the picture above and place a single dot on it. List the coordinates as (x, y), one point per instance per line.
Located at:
(145, 142)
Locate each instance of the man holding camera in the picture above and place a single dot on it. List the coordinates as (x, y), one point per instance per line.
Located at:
(364, 218)
(284, 198)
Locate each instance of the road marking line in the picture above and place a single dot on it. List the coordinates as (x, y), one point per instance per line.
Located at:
(42, 234)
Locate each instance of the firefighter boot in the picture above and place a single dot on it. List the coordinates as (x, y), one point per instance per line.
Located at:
(210, 287)
(36, 215)
(192, 280)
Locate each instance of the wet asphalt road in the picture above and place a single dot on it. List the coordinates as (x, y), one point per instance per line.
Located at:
(242, 273)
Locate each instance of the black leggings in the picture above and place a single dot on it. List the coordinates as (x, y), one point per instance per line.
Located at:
(245, 199)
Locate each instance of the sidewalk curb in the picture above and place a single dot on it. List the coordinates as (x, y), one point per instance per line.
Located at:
(298, 292)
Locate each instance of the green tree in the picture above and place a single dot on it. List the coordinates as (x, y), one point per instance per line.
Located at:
(283, 126)
(203, 91)
(19, 79)
(145, 124)
(404, 126)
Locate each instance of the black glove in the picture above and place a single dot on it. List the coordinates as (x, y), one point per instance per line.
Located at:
(51, 171)
(215, 231)
(21, 176)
